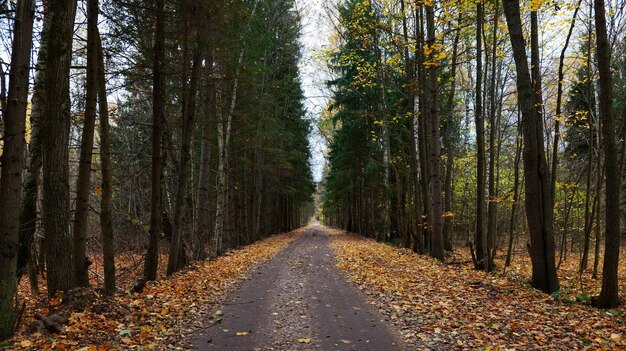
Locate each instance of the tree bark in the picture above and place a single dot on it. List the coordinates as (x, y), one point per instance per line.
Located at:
(83, 184)
(388, 218)
(518, 155)
(202, 199)
(588, 212)
(609, 297)
(436, 213)
(449, 143)
(32, 181)
(158, 115)
(479, 236)
(56, 123)
(12, 160)
(106, 210)
(422, 139)
(591, 108)
(492, 207)
(218, 233)
(596, 257)
(539, 207)
(3, 93)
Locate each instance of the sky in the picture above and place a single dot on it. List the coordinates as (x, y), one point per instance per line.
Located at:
(316, 30)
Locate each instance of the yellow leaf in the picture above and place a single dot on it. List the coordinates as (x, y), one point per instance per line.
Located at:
(144, 331)
(241, 333)
(26, 343)
(304, 340)
(536, 4)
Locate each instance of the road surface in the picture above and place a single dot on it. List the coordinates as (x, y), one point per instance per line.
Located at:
(298, 300)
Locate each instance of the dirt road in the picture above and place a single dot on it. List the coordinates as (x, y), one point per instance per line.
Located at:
(299, 301)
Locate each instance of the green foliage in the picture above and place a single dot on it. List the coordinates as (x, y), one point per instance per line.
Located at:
(579, 119)
(268, 164)
(369, 100)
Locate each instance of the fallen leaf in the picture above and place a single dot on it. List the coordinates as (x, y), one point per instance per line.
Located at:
(26, 343)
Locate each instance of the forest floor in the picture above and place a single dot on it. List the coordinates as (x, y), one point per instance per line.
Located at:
(320, 288)
(159, 318)
(452, 306)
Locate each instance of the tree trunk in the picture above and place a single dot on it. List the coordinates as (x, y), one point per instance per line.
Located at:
(422, 138)
(479, 236)
(535, 65)
(3, 93)
(202, 200)
(518, 154)
(622, 162)
(563, 247)
(56, 124)
(32, 273)
(218, 233)
(106, 210)
(493, 152)
(409, 73)
(12, 160)
(590, 116)
(609, 294)
(588, 212)
(596, 257)
(539, 209)
(436, 213)
(388, 218)
(415, 171)
(189, 110)
(158, 115)
(28, 211)
(449, 144)
(83, 184)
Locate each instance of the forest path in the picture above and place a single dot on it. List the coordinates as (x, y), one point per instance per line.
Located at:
(299, 301)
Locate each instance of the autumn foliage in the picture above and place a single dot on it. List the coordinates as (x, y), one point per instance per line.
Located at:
(168, 311)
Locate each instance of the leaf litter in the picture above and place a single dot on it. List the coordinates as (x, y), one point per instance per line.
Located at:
(159, 317)
(439, 306)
